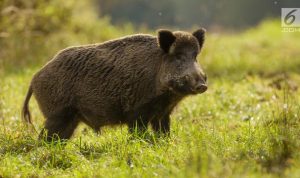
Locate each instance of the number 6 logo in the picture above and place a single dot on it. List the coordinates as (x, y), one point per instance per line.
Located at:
(290, 18)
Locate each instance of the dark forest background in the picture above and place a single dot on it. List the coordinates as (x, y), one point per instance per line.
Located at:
(186, 13)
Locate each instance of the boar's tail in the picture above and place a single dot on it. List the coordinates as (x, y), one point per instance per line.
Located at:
(25, 110)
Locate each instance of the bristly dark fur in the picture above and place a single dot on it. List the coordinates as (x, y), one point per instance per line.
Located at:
(116, 82)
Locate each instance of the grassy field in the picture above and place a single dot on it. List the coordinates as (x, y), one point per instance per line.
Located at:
(246, 125)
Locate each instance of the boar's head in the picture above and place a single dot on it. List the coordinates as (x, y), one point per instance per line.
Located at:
(180, 71)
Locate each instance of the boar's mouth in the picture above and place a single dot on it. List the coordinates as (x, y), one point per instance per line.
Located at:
(183, 88)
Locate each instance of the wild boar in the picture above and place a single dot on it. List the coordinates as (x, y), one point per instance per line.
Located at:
(135, 80)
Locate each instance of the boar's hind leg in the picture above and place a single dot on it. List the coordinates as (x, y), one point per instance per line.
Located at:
(60, 125)
(161, 126)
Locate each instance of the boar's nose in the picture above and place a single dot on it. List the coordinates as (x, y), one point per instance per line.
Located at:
(200, 84)
(200, 88)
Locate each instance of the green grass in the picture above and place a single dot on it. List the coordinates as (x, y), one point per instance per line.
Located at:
(245, 125)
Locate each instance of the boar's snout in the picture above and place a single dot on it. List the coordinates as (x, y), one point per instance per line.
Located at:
(192, 83)
(198, 83)
(200, 88)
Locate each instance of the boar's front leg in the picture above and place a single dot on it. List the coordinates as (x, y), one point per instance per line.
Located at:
(138, 126)
(161, 125)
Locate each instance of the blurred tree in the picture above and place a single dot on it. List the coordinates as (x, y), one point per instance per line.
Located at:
(34, 16)
(25, 27)
(31, 31)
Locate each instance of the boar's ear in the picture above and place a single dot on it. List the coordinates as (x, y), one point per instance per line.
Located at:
(165, 40)
(200, 35)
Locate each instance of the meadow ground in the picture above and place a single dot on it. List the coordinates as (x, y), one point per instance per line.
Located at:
(246, 125)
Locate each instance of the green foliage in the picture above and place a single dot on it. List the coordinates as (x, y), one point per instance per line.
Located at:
(31, 32)
(38, 16)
